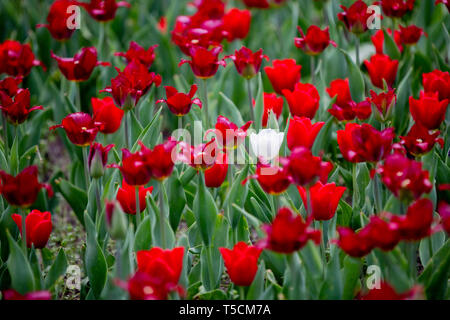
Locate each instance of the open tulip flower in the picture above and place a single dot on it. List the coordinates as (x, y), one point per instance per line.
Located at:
(103, 10)
(355, 17)
(284, 74)
(315, 40)
(136, 52)
(247, 62)
(229, 136)
(17, 108)
(80, 128)
(106, 114)
(59, 14)
(17, 59)
(428, 110)
(381, 67)
(180, 103)
(204, 63)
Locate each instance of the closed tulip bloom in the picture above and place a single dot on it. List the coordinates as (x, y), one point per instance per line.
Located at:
(437, 81)
(80, 67)
(355, 244)
(396, 8)
(38, 227)
(444, 212)
(324, 199)
(98, 158)
(382, 234)
(428, 110)
(103, 10)
(272, 103)
(12, 294)
(340, 89)
(136, 52)
(284, 74)
(22, 190)
(107, 115)
(247, 62)
(160, 160)
(273, 180)
(180, 103)
(134, 168)
(241, 263)
(266, 144)
(380, 67)
(288, 232)
(355, 17)
(363, 143)
(237, 23)
(229, 135)
(17, 59)
(204, 63)
(80, 128)
(387, 292)
(216, 175)
(420, 141)
(116, 221)
(126, 196)
(9, 87)
(60, 13)
(302, 133)
(16, 109)
(303, 101)
(410, 35)
(315, 40)
(383, 104)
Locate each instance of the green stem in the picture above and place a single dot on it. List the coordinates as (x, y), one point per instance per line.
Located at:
(5, 136)
(313, 68)
(162, 216)
(355, 196)
(292, 268)
(98, 197)
(250, 100)
(86, 166)
(24, 231)
(242, 292)
(357, 50)
(78, 95)
(138, 209)
(205, 102)
(210, 267)
(118, 259)
(322, 246)
(377, 193)
(127, 134)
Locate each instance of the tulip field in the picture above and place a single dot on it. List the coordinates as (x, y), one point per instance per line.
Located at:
(224, 150)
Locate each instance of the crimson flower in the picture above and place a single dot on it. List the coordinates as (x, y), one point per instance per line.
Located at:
(16, 108)
(410, 35)
(302, 133)
(303, 101)
(180, 103)
(315, 40)
(237, 23)
(273, 180)
(160, 160)
(9, 87)
(387, 292)
(382, 234)
(135, 170)
(107, 114)
(355, 17)
(324, 199)
(138, 53)
(355, 244)
(340, 89)
(38, 227)
(98, 158)
(204, 63)
(58, 17)
(383, 104)
(241, 263)
(381, 67)
(288, 232)
(437, 81)
(262, 4)
(216, 175)
(283, 74)
(247, 62)
(444, 212)
(272, 103)
(396, 8)
(103, 10)
(17, 59)
(12, 294)
(229, 135)
(420, 141)
(363, 143)
(80, 128)
(378, 40)
(142, 286)
(428, 110)
(126, 196)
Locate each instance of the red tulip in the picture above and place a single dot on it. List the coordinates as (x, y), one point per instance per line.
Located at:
(165, 265)
(303, 101)
(107, 114)
(241, 263)
(247, 63)
(383, 104)
(103, 10)
(262, 4)
(396, 8)
(138, 53)
(437, 81)
(302, 133)
(288, 232)
(410, 35)
(22, 190)
(284, 74)
(204, 63)
(160, 160)
(142, 286)
(16, 108)
(186, 34)
(80, 67)
(215, 175)
(237, 23)
(355, 244)
(355, 17)
(228, 134)
(428, 110)
(272, 103)
(38, 227)
(420, 141)
(201, 156)
(180, 103)
(9, 87)
(80, 128)
(315, 40)
(378, 40)
(363, 143)
(360, 110)
(273, 180)
(17, 59)
(162, 25)
(340, 89)
(98, 158)
(382, 234)
(135, 170)
(387, 292)
(12, 294)
(381, 67)
(126, 195)
(58, 17)
(444, 212)
(324, 199)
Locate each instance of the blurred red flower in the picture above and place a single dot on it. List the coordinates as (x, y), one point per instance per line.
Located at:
(16, 108)
(126, 196)
(241, 263)
(396, 8)
(420, 141)
(38, 227)
(236, 23)
(272, 103)
(247, 62)
(216, 175)
(98, 158)
(303, 101)
(204, 63)
(58, 17)
(17, 59)
(160, 160)
(437, 81)
(315, 40)
(283, 74)
(229, 135)
(138, 53)
(103, 10)
(12, 294)
(355, 17)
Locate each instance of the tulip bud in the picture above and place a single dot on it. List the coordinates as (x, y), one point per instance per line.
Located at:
(115, 220)
(383, 104)
(98, 157)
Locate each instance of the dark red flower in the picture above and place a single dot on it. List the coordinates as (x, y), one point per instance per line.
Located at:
(355, 244)
(12, 294)
(107, 114)
(437, 81)
(228, 134)
(355, 17)
(160, 160)
(428, 110)
(420, 141)
(383, 104)
(324, 199)
(283, 74)
(17, 59)
(410, 35)
(165, 265)
(241, 263)
(138, 53)
(396, 8)
(237, 23)
(201, 156)
(263, 4)
(58, 17)
(38, 227)
(134, 168)
(272, 103)
(215, 175)
(98, 158)
(17, 108)
(302, 133)
(9, 87)
(378, 40)
(381, 67)
(444, 212)
(180, 103)
(126, 195)
(162, 25)
(22, 190)
(273, 180)
(186, 34)
(387, 292)
(204, 63)
(303, 101)
(103, 10)
(363, 143)
(247, 62)
(382, 234)
(80, 128)
(315, 40)
(288, 232)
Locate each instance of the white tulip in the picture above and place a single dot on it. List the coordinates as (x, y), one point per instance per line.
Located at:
(266, 144)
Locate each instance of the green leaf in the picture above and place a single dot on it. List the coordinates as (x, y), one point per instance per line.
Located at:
(356, 78)
(76, 197)
(351, 273)
(143, 240)
(147, 131)
(237, 195)
(57, 269)
(177, 200)
(391, 47)
(14, 158)
(259, 103)
(232, 111)
(20, 271)
(205, 211)
(256, 289)
(211, 267)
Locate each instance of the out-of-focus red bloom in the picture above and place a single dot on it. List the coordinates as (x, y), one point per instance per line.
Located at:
(201, 156)
(131, 84)
(273, 180)
(180, 103)
(107, 114)
(58, 17)
(143, 286)
(247, 62)
(437, 81)
(135, 170)
(410, 35)
(302, 133)
(166, 265)
(103, 10)
(160, 160)
(315, 40)
(162, 25)
(303, 101)
(355, 244)
(17, 59)
(272, 103)
(22, 190)
(38, 227)
(241, 263)
(444, 212)
(383, 104)
(340, 89)
(9, 87)
(378, 40)
(80, 67)
(98, 158)
(419, 140)
(363, 143)
(262, 4)
(80, 128)
(17, 108)
(355, 17)
(283, 74)
(204, 63)
(187, 34)
(229, 135)
(396, 8)
(324, 199)
(288, 232)
(12, 294)
(387, 292)
(138, 53)
(126, 195)
(382, 234)
(215, 175)
(428, 110)
(381, 67)
(237, 23)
